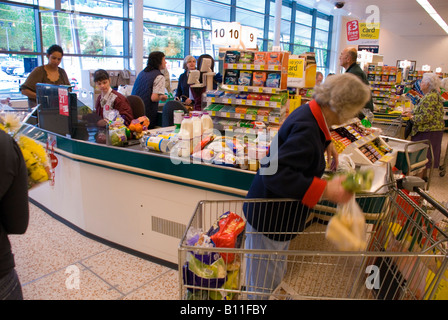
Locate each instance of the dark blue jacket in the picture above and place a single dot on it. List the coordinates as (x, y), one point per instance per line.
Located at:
(143, 88)
(298, 155)
(183, 88)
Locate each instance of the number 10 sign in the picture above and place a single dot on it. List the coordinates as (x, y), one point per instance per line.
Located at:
(235, 35)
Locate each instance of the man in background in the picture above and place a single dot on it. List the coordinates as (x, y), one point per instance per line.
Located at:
(347, 60)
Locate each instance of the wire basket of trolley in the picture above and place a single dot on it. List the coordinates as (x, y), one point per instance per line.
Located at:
(401, 253)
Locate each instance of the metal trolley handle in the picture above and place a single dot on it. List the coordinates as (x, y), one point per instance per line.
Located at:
(412, 183)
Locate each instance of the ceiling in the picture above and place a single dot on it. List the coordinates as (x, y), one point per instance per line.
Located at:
(402, 17)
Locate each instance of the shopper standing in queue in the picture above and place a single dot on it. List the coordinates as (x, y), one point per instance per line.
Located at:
(347, 60)
(14, 212)
(427, 119)
(293, 169)
(49, 73)
(150, 86)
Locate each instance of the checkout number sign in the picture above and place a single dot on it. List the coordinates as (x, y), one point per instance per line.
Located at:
(233, 34)
(63, 101)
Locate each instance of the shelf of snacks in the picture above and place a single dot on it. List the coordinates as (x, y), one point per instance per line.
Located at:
(253, 94)
(383, 80)
(256, 69)
(415, 75)
(363, 145)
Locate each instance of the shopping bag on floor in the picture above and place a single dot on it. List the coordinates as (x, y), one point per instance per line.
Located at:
(347, 229)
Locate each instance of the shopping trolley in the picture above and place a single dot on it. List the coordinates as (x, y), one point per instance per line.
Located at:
(405, 256)
(442, 166)
(412, 156)
(390, 124)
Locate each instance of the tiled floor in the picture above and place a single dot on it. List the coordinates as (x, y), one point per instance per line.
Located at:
(50, 257)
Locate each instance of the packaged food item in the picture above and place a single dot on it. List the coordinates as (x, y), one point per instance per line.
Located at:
(253, 111)
(158, 144)
(263, 112)
(232, 56)
(118, 137)
(178, 116)
(245, 78)
(273, 80)
(246, 57)
(241, 109)
(274, 58)
(228, 232)
(259, 124)
(207, 122)
(231, 77)
(253, 96)
(260, 58)
(205, 155)
(259, 78)
(215, 93)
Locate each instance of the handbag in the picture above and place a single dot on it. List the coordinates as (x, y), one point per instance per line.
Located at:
(408, 128)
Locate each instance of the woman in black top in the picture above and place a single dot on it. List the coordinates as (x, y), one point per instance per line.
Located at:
(14, 214)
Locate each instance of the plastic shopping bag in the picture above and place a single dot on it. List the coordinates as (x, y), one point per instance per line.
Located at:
(347, 229)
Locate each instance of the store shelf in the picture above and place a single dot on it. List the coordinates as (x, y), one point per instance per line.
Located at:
(245, 102)
(266, 105)
(253, 89)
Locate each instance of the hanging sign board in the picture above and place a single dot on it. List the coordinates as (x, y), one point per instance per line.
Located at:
(359, 33)
(234, 35)
(63, 101)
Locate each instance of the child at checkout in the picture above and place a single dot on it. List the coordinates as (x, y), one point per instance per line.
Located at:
(110, 99)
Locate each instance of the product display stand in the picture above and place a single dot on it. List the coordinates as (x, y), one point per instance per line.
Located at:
(364, 146)
(253, 95)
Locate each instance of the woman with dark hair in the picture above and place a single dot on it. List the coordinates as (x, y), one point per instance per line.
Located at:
(150, 86)
(49, 73)
(110, 99)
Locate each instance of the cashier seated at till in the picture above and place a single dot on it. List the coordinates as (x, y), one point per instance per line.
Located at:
(110, 99)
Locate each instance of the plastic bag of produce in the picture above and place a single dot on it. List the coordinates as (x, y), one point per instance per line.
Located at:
(347, 229)
(359, 181)
(206, 271)
(228, 232)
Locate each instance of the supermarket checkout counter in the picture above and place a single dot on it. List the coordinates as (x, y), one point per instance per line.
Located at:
(129, 197)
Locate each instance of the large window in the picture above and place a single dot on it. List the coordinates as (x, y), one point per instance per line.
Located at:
(98, 33)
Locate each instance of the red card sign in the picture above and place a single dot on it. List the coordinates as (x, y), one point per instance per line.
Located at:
(63, 101)
(352, 30)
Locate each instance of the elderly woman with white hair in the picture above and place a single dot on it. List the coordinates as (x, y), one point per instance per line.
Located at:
(427, 118)
(183, 88)
(293, 169)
